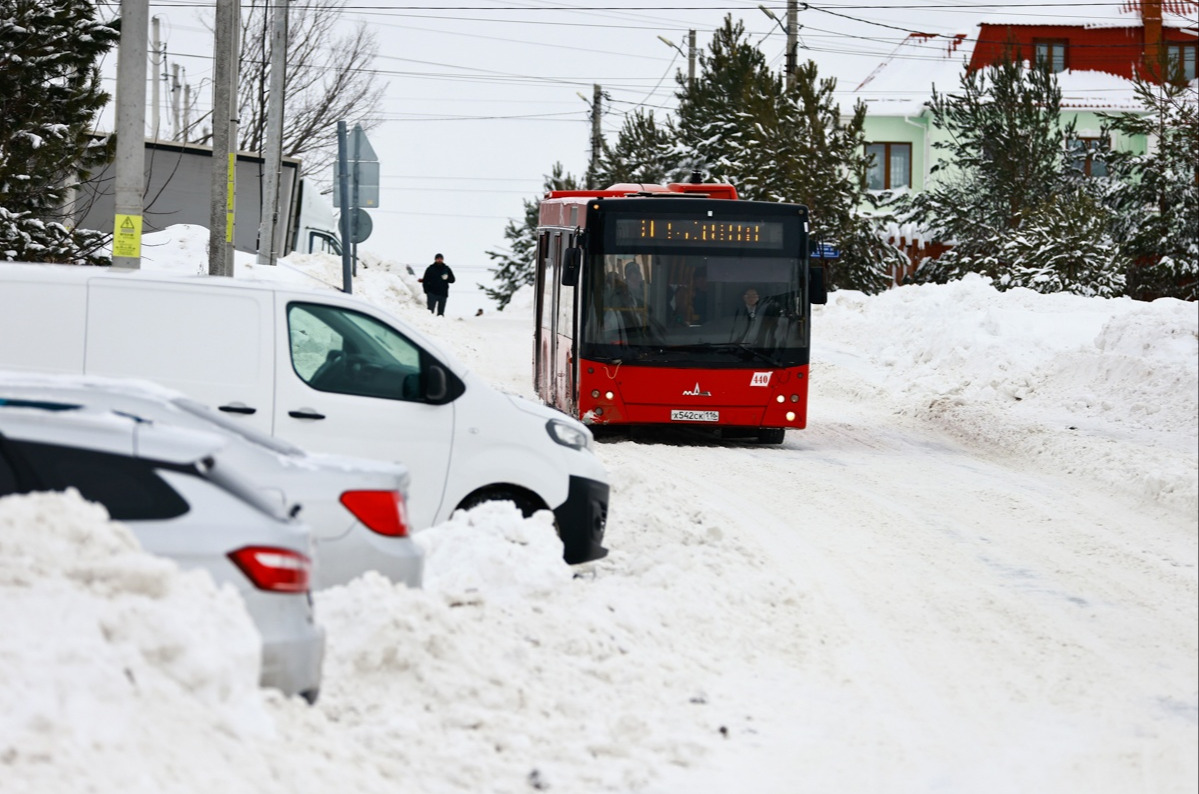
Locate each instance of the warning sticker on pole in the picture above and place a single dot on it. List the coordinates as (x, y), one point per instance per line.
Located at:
(127, 236)
(230, 197)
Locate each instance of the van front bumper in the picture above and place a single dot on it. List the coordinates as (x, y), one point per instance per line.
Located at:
(581, 520)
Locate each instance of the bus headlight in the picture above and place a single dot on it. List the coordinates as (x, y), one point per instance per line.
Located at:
(568, 435)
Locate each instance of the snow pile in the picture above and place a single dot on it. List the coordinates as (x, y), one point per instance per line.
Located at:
(493, 548)
(108, 653)
(505, 680)
(1074, 382)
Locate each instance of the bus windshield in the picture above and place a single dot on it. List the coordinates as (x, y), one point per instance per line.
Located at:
(686, 309)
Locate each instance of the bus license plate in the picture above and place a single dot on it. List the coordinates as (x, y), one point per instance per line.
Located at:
(694, 416)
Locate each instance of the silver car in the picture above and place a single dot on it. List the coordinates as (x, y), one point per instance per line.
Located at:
(357, 508)
(182, 499)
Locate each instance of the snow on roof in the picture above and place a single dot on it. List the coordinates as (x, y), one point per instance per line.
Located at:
(1097, 91)
(904, 81)
(901, 84)
(1180, 14)
(902, 89)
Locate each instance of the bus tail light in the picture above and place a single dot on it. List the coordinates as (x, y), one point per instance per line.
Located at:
(273, 569)
(383, 512)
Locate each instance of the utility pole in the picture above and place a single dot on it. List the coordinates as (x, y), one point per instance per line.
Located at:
(175, 129)
(792, 31)
(220, 218)
(691, 59)
(130, 165)
(792, 40)
(268, 248)
(155, 74)
(597, 138)
(187, 109)
(689, 55)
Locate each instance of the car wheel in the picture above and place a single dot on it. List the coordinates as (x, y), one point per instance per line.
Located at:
(525, 502)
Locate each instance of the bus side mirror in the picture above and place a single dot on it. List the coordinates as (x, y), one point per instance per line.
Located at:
(816, 285)
(571, 259)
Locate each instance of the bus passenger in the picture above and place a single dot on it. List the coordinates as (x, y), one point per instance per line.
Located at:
(635, 282)
(699, 298)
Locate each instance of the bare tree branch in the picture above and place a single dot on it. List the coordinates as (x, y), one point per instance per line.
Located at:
(330, 78)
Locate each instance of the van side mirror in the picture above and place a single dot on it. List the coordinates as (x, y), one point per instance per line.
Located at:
(571, 259)
(435, 384)
(816, 288)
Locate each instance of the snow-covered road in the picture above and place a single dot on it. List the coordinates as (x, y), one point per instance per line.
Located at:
(966, 593)
(955, 613)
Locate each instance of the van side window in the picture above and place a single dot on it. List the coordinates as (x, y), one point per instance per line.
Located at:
(347, 352)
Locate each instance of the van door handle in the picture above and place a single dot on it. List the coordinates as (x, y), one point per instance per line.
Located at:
(238, 408)
(305, 415)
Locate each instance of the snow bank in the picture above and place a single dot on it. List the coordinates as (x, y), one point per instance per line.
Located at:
(109, 654)
(1106, 388)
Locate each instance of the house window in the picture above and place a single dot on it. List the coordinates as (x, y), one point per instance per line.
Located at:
(890, 166)
(1181, 57)
(1085, 150)
(1051, 53)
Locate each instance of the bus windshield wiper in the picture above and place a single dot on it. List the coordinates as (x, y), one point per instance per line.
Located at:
(771, 360)
(642, 353)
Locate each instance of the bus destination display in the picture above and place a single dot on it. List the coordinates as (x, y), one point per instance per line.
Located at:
(675, 231)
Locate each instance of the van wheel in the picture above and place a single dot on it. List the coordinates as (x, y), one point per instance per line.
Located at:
(526, 502)
(771, 435)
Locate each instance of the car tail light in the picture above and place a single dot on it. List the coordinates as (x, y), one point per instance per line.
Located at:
(274, 569)
(382, 511)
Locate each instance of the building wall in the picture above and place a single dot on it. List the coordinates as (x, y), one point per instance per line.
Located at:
(894, 129)
(179, 190)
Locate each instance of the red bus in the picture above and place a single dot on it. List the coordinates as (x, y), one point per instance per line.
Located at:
(675, 305)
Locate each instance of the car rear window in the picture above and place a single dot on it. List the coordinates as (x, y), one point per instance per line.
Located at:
(129, 488)
(8, 477)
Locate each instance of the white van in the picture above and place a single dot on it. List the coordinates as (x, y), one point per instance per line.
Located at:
(323, 370)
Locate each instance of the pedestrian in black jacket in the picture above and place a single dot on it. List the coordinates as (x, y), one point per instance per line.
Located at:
(437, 280)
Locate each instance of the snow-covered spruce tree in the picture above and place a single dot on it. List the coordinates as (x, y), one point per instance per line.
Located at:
(515, 266)
(1009, 181)
(816, 158)
(1064, 245)
(642, 154)
(783, 144)
(733, 90)
(51, 96)
(1156, 201)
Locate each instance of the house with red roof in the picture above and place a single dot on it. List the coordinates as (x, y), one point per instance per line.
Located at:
(1142, 38)
(1094, 58)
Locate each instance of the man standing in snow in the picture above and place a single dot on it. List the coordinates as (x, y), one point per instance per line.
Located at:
(436, 281)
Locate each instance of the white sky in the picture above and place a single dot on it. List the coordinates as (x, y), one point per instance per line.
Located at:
(975, 571)
(483, 98)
